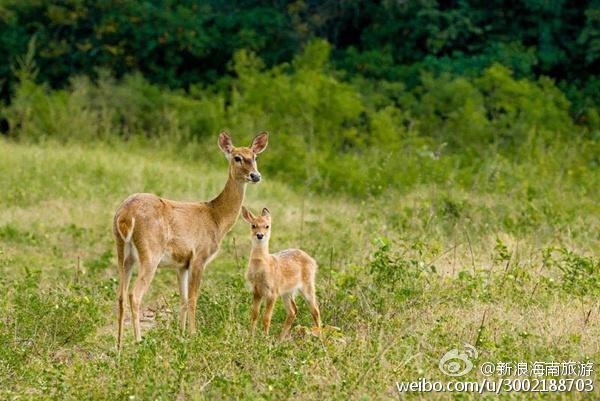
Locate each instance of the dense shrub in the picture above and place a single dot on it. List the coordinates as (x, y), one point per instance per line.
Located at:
(106, 108)
(493, 108)
(327, 135)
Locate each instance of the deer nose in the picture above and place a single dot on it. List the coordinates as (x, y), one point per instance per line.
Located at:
(260, 236)
(255, 177)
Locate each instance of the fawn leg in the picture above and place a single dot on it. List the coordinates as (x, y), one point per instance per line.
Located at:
(256, 301)
(311, 298)
(268, 314)
(291, 309)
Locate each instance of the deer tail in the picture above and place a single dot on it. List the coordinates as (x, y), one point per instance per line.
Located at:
(125, 228)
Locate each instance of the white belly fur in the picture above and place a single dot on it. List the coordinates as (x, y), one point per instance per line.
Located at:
(167, 261)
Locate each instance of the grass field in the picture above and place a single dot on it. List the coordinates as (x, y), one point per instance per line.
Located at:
(405, 276)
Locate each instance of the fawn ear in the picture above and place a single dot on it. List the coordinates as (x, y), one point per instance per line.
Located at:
(225, 143)
(265, 212)
(260, 142)
(247, 215)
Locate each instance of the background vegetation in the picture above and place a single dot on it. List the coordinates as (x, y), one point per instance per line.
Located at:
(181, 43)
(439, 159)
(363, 93)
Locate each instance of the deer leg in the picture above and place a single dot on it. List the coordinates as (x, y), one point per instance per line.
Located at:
(183, 282)
(311, 299)
(256, 301)
(197, 269)
(148, 267)
(125, 268)
(316, 314)
(268, 314)
(291, 309)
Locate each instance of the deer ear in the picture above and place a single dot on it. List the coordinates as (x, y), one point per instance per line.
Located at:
(247, 215)
(265, 212)
(260, 142)
(225, 143)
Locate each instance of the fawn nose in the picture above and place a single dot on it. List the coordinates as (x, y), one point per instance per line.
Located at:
(255, 177)
(260, 236)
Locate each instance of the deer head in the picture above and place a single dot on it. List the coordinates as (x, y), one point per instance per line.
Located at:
(242, 160)
(261, 225)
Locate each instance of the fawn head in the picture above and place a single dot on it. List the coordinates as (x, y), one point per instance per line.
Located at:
(242, 161)
(261, 225)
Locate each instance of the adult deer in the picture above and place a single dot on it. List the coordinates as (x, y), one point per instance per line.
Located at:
(186, 235)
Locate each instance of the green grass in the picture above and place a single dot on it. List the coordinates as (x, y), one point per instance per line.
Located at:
(405, 276)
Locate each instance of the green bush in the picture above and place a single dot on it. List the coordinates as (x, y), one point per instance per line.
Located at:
(580, 274)
(402, 275)
(361, 138)
(494, 108)
(101, 110)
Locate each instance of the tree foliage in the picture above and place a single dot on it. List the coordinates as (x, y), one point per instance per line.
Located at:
(178, 43)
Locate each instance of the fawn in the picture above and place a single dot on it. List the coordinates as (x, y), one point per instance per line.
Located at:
(279, 274)
(186, 235)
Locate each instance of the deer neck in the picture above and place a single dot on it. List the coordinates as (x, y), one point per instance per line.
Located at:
(260, 261)
(226, 206)
(260, 252)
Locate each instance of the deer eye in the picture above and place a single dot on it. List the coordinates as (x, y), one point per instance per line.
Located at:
(253, 225)
(237, 159)
(266, 226)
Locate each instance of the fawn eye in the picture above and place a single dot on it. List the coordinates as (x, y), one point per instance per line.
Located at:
(266, 226)
(253, 225)
(237, 159)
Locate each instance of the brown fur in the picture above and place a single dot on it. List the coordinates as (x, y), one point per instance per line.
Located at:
(185, 235)
(279, 274)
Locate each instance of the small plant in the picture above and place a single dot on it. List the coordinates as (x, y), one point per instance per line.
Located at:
(580, 274)
(12, 234)
(502, 253)
(396, 273)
